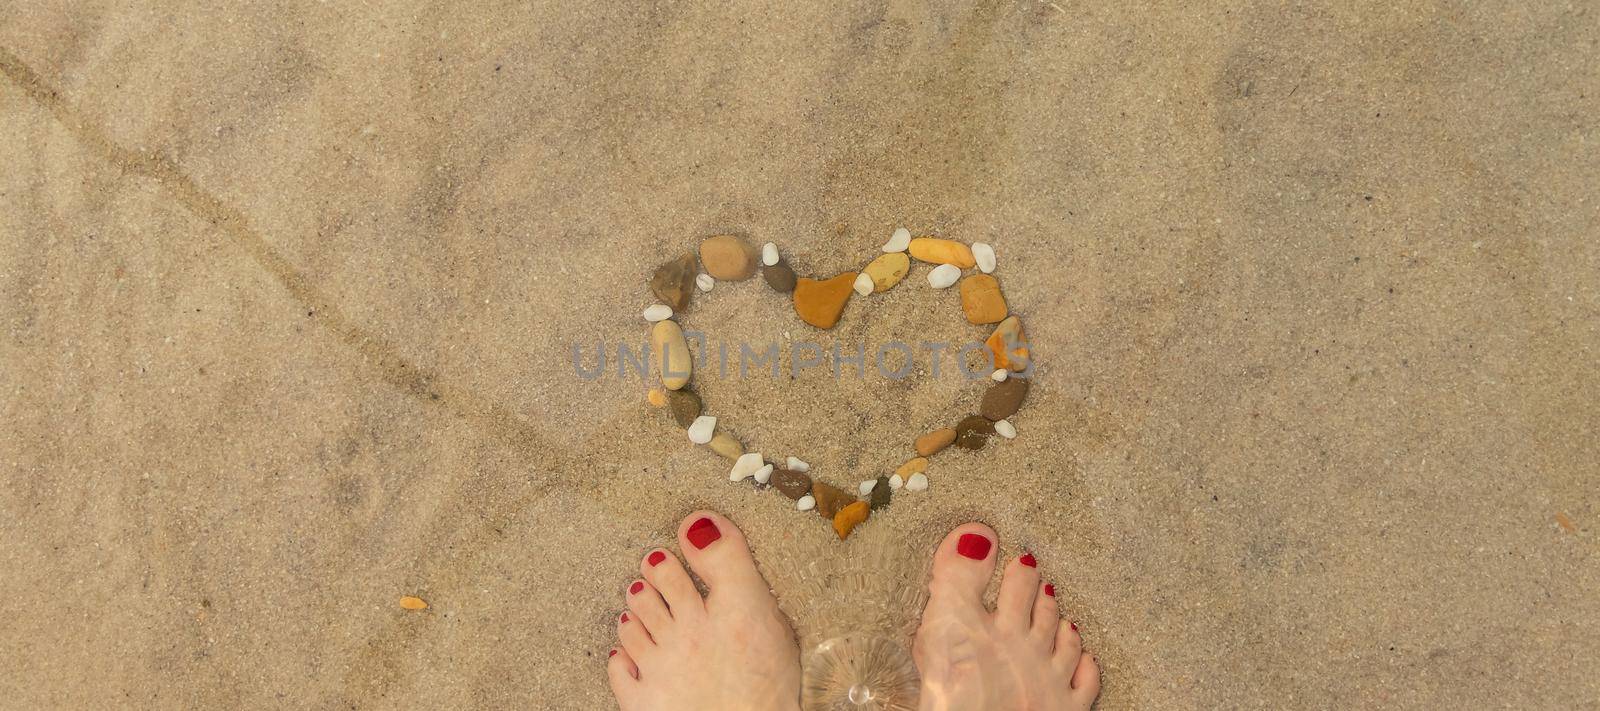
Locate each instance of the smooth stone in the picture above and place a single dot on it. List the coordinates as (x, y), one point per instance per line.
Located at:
(1009, 345)
(1002, 400)
(669, 346)
(912, 466)
(886, 271)
(779, 276)
(881, 493)
(983, 254)
(700, 430)
(917, 482)
(769, 254)
(849, 517)
(685, 406)
(791, 483)
(806, 503)
(745, 466)
(1005, 429)
(830, 498)
(797, 464)
(763, 475)
(863, 285)
(724, 444)
(819, 303)
(941, 251)
(704, 281)
(656, 397)
(999, 375)
(728, 257)
(943, 276)
(981, 299)
(973, 432)
(657, 312)
(865, 487)
(896, 481)
(672, 281)
(899, 241)
(930, 443)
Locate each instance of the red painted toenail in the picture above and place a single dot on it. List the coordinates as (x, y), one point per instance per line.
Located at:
(1074, 626)
(624, 618)
(1028, 560)
(973, 546)
(635, 588)
(1051, 591)
(703, 533)
(612, 653)
(656, 558)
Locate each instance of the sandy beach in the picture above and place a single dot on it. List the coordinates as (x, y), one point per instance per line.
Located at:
(289, 293)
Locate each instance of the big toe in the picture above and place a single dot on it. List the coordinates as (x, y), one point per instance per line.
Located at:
(964, 563)
(716, 550)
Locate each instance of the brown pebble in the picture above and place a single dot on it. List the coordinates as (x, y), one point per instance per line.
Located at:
(1003, 399)
(729, 257)
(673, 282)
(930, 443)
(1009, 345)
(973, 432)
(819, 302)
(724, 444)
(793, 484)
(849, 517)
(981, 299)
(413, 603)
(829, 498)
(779, 276)
(912, 466)
(880, 494)
(685, 406)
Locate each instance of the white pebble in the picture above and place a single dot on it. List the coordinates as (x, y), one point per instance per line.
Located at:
(744, 466)
(1000, 375)
(769, 254)
(1005, 429)
(700, 430)
(806, 503)
(763, 475)
(898, 242)
(917, 482)
(863, 284)
(982, 252)
(943, 275)
(704, 281)
(657, 312)
(867, 486)
(795, 464)
(895, 482)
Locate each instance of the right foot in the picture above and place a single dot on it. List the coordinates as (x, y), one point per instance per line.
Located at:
(1021, 656)
(728, 650)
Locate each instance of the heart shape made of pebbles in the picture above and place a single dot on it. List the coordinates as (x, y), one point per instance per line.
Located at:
(819, 302)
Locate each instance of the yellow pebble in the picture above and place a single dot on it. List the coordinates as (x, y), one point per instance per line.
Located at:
(918, 464)
(845, 521)
(413, 603)
(942, 251)
(656, 397)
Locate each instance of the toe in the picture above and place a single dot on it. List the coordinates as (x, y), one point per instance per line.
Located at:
(624, 676)
(635, 639)
(716, 550)
(963, 563)
(1086, 680)
(1046, 617)
(648, 607)
(1013, 607)
(663, 571)
(1069, 646)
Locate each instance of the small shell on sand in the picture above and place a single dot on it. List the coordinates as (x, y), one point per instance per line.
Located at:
(1005, 429)
(704, 281)
(899, 241)
(657, 312)
(865, 487)
(943, 276)
(895, 482)
(984, 255)
(701, 429)
(796, 464)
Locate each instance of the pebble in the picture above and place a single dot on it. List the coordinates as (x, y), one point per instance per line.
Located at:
(410, 602)
(999, 375)
(806, 503)
(797, 464)
(769, 254)
(1002, 400)
(702, 427)
(791, 483)
(819, 302)
(886, 271)
(657, 312)
(671, 281)
(728, 257)
(943, 276)
(779, 276)
(745, 466)
(863, 285)
(685, 406)
(865, 487)
(930, 443)
(1006, 429)
(973, 432)
(899, 241)
(668, 345)
(917, 482)
(1009, 345)
(829, 498)
(983, 254)
(849, 517)
(942, 251)
(981, 299)
(763, 475)
(657, 397)
(896, 481)
(724, 444)
(882, 493)
(912, 466)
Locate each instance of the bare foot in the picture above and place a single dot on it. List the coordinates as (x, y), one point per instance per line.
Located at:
(728, 650)
(1021, 656)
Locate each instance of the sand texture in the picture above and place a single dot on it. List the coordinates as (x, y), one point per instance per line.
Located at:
(288, 292)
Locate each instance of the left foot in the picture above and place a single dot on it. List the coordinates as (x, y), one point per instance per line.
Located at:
(728, 650)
